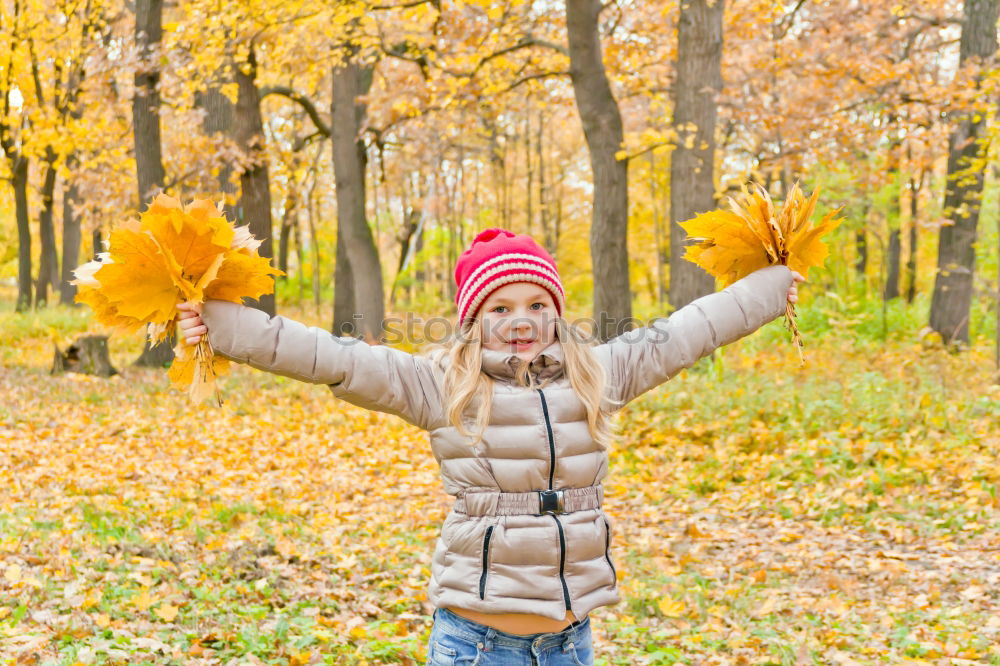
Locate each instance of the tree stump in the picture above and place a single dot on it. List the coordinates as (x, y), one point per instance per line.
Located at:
(159, 355)
(87, 355)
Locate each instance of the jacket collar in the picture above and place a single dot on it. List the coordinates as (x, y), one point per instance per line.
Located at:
(503, 365)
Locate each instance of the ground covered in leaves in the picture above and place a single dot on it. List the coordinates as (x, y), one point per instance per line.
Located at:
(846, 512)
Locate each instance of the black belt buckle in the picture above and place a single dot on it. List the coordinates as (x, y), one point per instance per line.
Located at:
(551, 501)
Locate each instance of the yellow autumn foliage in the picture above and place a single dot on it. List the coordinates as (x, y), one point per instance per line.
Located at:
(731, 244)
(172, 254)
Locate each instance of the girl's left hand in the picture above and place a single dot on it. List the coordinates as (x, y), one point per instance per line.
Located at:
(793, 290)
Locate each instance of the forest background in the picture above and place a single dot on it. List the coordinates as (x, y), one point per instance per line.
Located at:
(844, 511)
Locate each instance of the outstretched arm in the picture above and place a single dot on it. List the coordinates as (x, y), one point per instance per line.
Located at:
(644, 358)
(371, 376)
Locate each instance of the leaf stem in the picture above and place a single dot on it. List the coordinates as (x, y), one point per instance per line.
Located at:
(796, 336)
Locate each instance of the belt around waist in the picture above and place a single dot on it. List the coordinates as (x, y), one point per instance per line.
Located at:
(536, 502)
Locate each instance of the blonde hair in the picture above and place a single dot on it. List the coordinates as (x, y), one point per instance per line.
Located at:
(467, 387)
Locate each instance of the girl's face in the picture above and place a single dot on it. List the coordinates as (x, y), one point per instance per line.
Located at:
(519, 318)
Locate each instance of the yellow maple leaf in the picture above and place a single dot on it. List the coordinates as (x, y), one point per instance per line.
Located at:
(285, 548)
(806, 250)
(671, 607)
(192, 239)
(742, 255)
(143, 601)
(166, 612)
(12, 573)
(105, 311)
(196, 368)
(242, 276)
(244, 242)
(299, 658)
(137, 282)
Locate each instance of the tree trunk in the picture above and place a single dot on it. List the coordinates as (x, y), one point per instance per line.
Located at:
(48, 264)
(549, 239)
(375, 209)
(18, 166)
(498, 161)
(71, 232)
(19, 179)
(146, 130)
(453, 223)
(892, 278)
(530, 167)
(71, 240)
(314, 238)
(255, 188)
(289, 222)
(891, 287)
(420, 272)
(657, 230)
(219, 120)
(146, 100)
(344, 322)
(692, 164)
(602, 126)
(861, 261)
(413, 221)
(952, 297)
(300, 258)
(351, 80)
(911, 259)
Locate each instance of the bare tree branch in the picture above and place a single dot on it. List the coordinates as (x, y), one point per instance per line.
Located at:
(401, 51)
(303, 141)
(528, 41)
(177, 180)
(785, 24)
(932, 20)
(532, 77)
(301, 100)
(648, 149)
(407, 5)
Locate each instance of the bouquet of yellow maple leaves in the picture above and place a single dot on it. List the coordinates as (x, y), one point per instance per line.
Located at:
(172, 254)
(731, 244)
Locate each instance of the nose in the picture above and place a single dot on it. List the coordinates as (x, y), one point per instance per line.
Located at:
(523, 325)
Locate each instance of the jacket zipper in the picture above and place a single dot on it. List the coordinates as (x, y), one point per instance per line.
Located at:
(552, 442)
(486, 561)
(552, 473)
(562, 562)
(607, 553)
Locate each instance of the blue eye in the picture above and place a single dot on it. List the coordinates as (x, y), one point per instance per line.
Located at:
(497, 308)
(540, 306)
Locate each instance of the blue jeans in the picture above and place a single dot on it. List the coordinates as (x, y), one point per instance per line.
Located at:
(456, 641)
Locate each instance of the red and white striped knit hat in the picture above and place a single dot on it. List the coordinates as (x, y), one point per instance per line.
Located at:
(498, 257)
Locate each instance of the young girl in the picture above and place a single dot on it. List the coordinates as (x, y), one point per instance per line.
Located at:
(518, 410)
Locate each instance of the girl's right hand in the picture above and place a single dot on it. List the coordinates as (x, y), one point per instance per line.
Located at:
(192, 327)
(793, 290)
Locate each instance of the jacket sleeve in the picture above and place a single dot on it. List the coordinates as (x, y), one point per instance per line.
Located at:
(644, 358)
(375, 377)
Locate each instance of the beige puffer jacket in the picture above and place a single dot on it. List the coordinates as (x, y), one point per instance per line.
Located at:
(499, 553)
